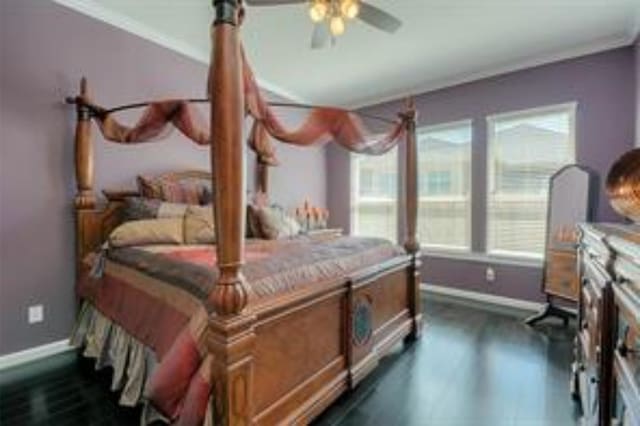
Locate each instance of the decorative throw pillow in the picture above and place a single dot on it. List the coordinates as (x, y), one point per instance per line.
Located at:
(181, 192)
(148, 231)
(276, 224)
(176, 189)
(149, 187)
(199, 227)
(206, 197)
(138, 208)
(257, 201)
(253, 222)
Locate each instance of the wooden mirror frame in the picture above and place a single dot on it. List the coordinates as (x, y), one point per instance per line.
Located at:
(551, 309)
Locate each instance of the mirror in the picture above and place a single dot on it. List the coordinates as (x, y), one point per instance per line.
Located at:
(571, 201)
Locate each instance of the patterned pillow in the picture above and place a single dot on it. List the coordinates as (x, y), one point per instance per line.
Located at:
(176, 189)
(256, 202)
(139, 208)
(253, 222)
(276, 224)
(198, 225)
(149, 187)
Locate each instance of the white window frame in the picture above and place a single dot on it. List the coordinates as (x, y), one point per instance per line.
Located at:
(571, 108)
(355, 201)
(441, 248)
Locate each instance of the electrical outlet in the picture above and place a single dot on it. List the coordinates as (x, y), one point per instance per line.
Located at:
(490, 275)
(36, 314)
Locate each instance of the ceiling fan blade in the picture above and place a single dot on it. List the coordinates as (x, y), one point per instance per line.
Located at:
(378, 18)
(272, 2)
(320, 36)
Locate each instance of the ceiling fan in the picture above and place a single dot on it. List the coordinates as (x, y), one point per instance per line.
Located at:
(329, 17)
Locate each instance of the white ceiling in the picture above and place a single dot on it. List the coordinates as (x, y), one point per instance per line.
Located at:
(442, 42)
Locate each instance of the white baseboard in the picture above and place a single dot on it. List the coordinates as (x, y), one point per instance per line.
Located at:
(22, 357)
(523, 305)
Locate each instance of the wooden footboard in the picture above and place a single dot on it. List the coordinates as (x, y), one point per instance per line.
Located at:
(302, 356)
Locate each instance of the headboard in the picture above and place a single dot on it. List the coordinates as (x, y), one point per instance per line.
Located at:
(95, 223)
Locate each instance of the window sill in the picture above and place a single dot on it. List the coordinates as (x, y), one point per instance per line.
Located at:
(481, 258)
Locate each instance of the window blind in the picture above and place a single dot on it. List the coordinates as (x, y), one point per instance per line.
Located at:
(444, 165)
(374, 195)
(524, 150)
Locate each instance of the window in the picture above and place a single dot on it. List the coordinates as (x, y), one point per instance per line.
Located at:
(444, 207)
(374, 196)
(524, 150)
(438, 183)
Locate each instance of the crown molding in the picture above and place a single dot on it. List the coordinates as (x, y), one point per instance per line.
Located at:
(431, 86)
(119, 20)
(94, 9)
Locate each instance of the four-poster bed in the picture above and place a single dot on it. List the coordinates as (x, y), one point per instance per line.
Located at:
(276, 355)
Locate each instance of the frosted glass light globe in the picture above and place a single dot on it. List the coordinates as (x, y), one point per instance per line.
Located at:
(336, 26)
(350, 8)
(318, 11)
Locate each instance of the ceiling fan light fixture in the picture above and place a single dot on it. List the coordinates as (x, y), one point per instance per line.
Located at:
(350, 8)
(336, 26)
(318, 10)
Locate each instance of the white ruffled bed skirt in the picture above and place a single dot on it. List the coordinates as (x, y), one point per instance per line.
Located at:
(111, 346)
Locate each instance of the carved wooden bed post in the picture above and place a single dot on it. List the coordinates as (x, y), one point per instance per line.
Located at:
(411, 243)
(231, 335)
(85, 199)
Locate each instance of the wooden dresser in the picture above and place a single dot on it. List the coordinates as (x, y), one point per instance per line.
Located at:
(607, 365)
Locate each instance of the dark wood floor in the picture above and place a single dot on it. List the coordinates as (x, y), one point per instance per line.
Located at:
(474, 367)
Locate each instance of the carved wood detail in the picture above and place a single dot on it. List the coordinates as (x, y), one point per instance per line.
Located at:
(85, 198)
(231, 343)
(228, 155)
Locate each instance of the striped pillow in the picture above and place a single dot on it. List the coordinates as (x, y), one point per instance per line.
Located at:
(138, 208)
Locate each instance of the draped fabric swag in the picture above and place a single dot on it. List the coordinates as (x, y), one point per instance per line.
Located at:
(321, 125)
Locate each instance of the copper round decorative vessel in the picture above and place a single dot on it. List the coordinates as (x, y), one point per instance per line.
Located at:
(623, 185)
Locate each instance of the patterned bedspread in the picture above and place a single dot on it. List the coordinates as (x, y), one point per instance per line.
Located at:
(158, 294)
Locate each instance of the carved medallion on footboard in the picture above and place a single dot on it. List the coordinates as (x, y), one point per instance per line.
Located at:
(379, 317)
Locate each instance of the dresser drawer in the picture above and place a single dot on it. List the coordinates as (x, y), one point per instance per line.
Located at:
(589, 395)
(594, 271)
(607, 373)
(627, 395)
(627, 355)
(594, 280)
(592, 241)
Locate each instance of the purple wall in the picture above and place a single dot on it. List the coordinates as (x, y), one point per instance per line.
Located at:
(600, 84)
(45, 49)
(637, 69)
